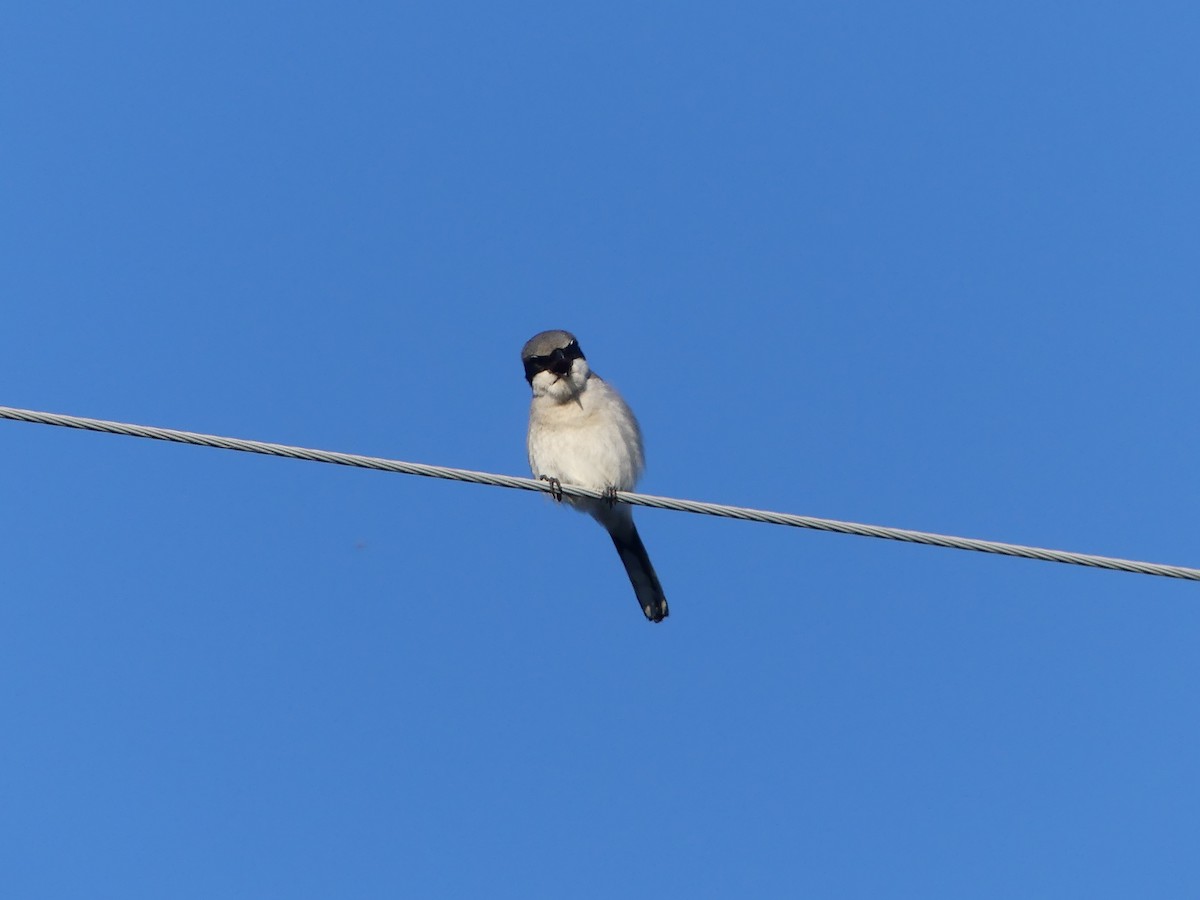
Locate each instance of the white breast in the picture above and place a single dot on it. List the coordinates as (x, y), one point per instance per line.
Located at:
(593, 441)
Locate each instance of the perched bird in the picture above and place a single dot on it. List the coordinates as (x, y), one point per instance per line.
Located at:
(581, 432)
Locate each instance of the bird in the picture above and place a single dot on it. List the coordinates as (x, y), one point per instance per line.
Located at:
(582, 432)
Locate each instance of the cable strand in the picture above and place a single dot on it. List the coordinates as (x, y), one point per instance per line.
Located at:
(668, 503)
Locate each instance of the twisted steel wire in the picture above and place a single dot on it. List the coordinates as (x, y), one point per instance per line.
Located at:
(529, 484)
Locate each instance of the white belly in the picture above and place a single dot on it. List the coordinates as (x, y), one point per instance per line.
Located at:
(593, 442)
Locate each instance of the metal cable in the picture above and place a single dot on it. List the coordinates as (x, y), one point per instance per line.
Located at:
(528, 484)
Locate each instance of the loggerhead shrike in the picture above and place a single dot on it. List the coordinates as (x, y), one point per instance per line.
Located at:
(581, 432)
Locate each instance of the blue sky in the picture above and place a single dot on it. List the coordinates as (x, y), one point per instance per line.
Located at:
(932, 266)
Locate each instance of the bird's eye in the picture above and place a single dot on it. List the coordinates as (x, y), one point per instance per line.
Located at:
(535, 364)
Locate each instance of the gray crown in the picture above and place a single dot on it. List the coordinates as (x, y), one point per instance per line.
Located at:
(546, 342)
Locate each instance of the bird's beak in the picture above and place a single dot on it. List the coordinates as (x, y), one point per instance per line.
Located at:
(561, 365)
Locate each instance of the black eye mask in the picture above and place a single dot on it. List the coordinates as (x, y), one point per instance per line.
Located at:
(559, 362)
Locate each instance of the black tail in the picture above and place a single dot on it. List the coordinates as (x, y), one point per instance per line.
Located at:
(641, 572)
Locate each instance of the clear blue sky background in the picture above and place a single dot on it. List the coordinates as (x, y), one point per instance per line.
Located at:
(932, 266)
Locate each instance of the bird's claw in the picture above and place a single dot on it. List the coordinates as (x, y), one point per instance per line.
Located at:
(610, 495)
(555, 487)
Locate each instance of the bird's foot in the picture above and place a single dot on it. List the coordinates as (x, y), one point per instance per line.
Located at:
(610, 495)
(555, 487)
